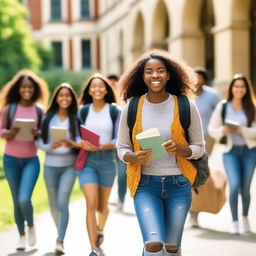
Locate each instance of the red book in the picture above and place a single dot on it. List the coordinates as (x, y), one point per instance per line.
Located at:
(90, 136)
(93, 138)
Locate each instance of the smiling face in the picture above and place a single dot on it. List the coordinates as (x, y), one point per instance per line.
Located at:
(26, 89)
(64, 98)
(238, 89)
(155, 76)
(97, 89)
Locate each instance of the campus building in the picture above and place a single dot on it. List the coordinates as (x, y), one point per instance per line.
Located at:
(106, 35)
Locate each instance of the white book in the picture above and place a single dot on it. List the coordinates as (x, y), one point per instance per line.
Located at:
(58, 133)
(25, 126)
(231, 123)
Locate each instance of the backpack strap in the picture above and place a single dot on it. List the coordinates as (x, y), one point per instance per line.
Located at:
(131, 115)
(184, 114)
(84, 112)
(11, 112)
(113, 114)
(39, 113)
(223, 111)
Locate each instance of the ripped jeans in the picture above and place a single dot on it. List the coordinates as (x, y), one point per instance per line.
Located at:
(161, 204)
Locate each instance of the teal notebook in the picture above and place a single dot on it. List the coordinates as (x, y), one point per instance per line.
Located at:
(151, 139)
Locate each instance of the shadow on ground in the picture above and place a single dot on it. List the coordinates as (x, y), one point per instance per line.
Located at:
(23, 253)
(205, 233)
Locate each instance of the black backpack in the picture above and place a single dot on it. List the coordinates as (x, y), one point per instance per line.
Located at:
(223, 140)
(201, 164)
(12, 110)
(113, 110)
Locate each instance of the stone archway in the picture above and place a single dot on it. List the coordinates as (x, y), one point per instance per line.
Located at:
(160, 28)
(206, 25)
(138, 36)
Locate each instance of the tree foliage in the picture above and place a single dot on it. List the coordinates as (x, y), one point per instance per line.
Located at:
(17, 49)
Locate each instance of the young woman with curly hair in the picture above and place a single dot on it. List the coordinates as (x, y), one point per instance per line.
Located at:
(239, 157)
(59, 171)
(20, 161)
(97, 177)
(161, 188)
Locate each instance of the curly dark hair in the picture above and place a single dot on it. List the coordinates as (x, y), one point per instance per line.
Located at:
(10, 91)
(182, 77)
(248, 100)
(53, 109)
(86, 98)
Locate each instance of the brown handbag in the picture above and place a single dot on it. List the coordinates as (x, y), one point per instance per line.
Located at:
(212, 195)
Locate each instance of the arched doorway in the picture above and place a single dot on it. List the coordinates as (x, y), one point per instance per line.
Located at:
(206, 24)
(160, 29)
(138, 37)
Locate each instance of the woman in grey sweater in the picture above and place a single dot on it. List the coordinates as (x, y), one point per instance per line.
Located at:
(161, 187)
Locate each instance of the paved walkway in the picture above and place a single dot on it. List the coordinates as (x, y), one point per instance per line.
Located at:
(123, 236)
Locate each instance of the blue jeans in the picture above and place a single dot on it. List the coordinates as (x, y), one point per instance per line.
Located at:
(59, 183)
(121, 179)
(161, 205)
(239, 164)
(100, 169)
(22, 174)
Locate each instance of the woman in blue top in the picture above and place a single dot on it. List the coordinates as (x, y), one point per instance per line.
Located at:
(97, 176)
(59, 172)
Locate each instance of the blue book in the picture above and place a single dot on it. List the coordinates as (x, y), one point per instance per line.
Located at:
(151, 139)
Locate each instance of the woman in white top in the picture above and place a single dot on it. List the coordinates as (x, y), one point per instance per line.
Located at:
(235, 119)
(96, 178)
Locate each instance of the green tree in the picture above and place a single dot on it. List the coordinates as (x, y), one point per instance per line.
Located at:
(17, 49)
(46, 56)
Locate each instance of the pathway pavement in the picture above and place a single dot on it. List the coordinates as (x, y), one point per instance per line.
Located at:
(122, 234)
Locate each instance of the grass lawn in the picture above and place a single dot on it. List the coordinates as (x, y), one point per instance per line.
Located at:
(40, 201)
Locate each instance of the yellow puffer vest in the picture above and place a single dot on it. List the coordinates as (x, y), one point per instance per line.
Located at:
(178, 136)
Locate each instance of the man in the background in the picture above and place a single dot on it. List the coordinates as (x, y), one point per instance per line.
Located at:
(121, 166)
(206, 101)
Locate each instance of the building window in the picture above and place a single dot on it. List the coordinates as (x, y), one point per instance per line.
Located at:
(86, 53)
(57, 50)
(55, 10)
(84, 9)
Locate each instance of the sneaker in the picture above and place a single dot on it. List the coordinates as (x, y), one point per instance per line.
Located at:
(59, 248)
(234, 228)
(21, 244)
(120, 206)
(95, 252)
(100, 238)
(245, 225)
(31, 236)
(193, 220)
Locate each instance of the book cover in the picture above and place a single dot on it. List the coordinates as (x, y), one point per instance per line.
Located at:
(151, 139)
(90, 135)
(25, 126)
(58, 134)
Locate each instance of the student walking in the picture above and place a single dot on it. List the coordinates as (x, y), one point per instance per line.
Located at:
(161, 187)
(20, 162)
(59, 171)
(99, 114)
(206, 101)
(121, 166)
(240, 146)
